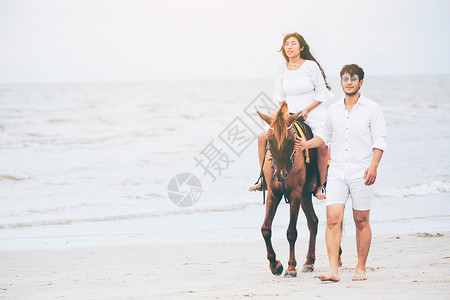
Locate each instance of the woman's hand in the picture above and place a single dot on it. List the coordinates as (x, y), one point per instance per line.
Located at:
(304, 113)
(307, 110)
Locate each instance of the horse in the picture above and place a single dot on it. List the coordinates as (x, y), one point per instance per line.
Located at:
(285, 174)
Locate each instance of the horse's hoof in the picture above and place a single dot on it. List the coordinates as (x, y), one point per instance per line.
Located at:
(307, 268)
(290, 274)
(278, 270)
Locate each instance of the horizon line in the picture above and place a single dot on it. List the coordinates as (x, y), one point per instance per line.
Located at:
(168, 80)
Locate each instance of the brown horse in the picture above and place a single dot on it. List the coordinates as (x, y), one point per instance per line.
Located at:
(285, 174)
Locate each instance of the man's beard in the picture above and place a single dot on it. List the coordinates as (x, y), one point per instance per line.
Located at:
(352, 94)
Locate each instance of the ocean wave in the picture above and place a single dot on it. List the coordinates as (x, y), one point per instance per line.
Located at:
(122, 217)
(60, 121)
(57, 142)
(435, 187)
(14, 177)
(151, 196)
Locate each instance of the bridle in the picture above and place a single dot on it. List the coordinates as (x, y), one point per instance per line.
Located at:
(290, 164)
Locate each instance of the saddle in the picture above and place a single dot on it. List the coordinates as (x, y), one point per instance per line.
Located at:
(312, 180)
(312, 171)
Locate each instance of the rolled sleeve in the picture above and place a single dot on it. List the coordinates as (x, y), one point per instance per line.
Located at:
(322, 94)
(378, 129)
(326, 130)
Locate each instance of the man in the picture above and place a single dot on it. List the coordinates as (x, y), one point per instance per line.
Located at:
(356, 129)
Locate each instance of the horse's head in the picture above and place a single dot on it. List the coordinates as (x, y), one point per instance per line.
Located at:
(280, 138)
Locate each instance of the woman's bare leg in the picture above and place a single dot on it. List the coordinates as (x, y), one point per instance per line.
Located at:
(261, 151)
(322, 163)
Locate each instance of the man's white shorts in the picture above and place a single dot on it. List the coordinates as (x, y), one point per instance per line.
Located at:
(339, 189)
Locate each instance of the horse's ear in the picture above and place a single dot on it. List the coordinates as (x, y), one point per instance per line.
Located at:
(292, 118)
(283, 107)
(266, 118)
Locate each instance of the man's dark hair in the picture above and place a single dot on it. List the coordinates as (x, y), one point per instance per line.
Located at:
(353, 70)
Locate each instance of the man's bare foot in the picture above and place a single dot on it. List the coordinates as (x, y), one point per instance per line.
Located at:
(359, 275)
(256, 187)
(319, 194)
(330, 276)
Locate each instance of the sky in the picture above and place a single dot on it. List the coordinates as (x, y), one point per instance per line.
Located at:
(111, 40)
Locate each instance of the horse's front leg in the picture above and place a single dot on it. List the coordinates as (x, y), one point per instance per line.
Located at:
(313, 222)
(271, 207)
(292, 233)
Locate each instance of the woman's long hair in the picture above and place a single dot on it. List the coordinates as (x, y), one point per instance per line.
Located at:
(305, 53)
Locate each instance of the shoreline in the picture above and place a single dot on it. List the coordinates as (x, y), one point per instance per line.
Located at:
(400, 266)
(223, 226)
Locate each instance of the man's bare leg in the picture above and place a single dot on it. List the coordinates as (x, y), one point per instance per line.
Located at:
(322, 163)
(261, 151)
(363, 240)
(335, 214)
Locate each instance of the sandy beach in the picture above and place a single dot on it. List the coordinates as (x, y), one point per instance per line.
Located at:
(409, 266)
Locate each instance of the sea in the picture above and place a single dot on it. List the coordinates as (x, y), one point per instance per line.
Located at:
(125, 163)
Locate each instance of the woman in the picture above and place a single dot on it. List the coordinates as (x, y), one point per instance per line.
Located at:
(302, 83)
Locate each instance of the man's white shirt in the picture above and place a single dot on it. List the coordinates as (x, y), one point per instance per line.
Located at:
(353, 136)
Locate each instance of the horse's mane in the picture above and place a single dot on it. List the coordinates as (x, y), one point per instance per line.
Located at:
(279, 128)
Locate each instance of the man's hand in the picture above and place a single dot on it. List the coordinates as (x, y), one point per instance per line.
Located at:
(370, 175)
(300, 144)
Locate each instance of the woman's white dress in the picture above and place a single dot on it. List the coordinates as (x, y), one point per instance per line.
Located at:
(302, 87)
